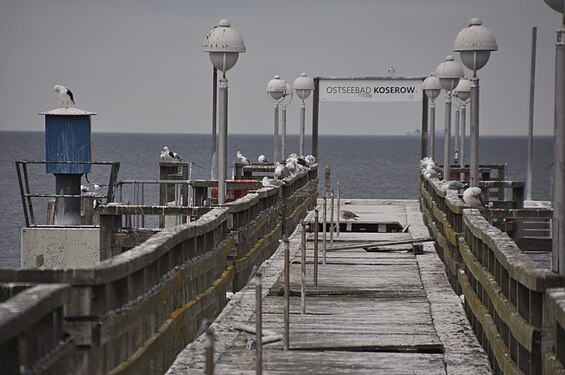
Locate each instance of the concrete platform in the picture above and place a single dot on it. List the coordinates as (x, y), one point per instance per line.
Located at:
(385, 311)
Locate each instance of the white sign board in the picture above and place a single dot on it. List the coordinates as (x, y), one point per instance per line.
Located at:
(370, 90)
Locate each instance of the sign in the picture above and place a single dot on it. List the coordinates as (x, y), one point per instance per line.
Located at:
(370, 90)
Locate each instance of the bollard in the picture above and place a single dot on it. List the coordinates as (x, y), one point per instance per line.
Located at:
(316, 225)
(332, 218)
(324, 223)
(303, 269)
(258, 324)
(286, 339)
(209, 345)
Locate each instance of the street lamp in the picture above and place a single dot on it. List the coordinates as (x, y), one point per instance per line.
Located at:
(474, 44)
(448, 72)
(303, 86)
(432, 88)
(276, 89)
(287, 95)
(463, 92)
(223, 43)
(558, 199)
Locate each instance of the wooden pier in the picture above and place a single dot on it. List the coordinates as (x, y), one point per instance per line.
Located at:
(386, 310)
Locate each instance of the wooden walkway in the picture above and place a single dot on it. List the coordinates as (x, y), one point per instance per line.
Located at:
(378, 312)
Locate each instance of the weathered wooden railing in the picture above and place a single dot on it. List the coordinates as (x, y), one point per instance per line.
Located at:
(134, 311)
(32, 339)
(502, 286)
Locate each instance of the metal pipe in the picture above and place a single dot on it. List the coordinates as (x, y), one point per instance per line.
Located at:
(558, 221)
(258, 324)
(286, 338)
(332, 218)
(223, 147)
(447, 137)
(531, 118)
(283, 149)
(433, 129)
(338, 207)
(302, 126)
(324, 223)
(456, 136)
(303, 268)
(214, 167)
(463, 115)
(474, 132)
(276, 134)
(316, 230)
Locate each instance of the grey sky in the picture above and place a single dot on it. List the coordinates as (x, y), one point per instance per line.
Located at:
(139, 64)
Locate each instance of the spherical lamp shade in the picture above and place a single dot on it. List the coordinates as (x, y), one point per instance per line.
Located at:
(224, 44)
(449, 72)
(303, 86)
(475, 43)
(276, 88)
(431, 86)
(463, 89)
(556, 5)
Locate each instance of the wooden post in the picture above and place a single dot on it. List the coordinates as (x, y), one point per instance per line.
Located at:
(109, 224)
(303, 268)
(258, 324)
(209, 347)
(316, 231)
(286, 338)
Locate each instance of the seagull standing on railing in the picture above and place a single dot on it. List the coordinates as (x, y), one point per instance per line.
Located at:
(242, 159)
(474, 197)
(65, 95)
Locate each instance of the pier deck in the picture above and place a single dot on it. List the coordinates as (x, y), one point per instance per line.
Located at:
(386, 311)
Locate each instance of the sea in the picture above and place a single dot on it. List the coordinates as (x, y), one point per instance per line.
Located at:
(365, 166)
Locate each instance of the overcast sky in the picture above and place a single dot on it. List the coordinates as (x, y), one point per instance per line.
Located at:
(139, 63)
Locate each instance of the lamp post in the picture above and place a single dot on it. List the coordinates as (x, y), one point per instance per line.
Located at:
(287, 95)
(432, 88)
(448, 72)
(303, 86)
(474, 44)
(223, 43)
(462, 92)
(558, 199)
(276, 89)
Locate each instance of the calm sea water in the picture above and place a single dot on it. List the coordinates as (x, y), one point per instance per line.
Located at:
(365, 166)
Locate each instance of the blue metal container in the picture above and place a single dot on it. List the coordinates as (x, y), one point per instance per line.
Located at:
(67, 139)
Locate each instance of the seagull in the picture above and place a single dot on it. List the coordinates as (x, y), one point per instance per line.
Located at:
(348, 215)
(242, 159)
(168, 155)
(84, 189)
(65, 95)
(455, 185)
(474, 197)
(262, 159)
(271, 182)
(280, 170)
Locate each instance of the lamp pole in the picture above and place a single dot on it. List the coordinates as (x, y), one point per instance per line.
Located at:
(462, 92)
(223, 43)
(449, 73)
(276, 89)
(303, 86)
(287, 95)
(558, 199)
(475, 43)
(432, 88)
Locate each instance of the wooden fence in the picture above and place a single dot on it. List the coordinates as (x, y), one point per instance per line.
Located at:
(134, 311)
(507, 299)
